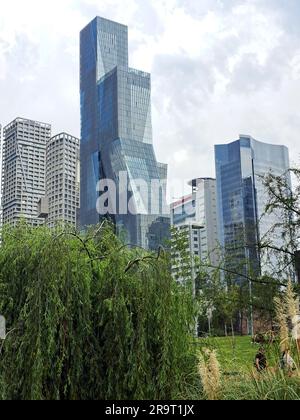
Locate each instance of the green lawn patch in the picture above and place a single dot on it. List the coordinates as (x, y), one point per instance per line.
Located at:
(236, 355)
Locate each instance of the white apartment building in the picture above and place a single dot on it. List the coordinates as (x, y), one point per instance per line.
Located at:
(23, 170)
(195, 217)
(62, 180)
(205, 193)
(183, 218)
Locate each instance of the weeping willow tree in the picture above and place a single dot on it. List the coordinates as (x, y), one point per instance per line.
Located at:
(89, 318)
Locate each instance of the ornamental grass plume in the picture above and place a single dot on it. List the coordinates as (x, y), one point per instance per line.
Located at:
(292, 305)
(210, 373)
(291, 302)
(282, 323)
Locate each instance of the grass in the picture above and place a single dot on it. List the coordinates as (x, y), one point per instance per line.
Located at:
(237, 355)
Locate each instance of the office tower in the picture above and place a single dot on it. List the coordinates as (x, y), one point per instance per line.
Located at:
(62, 180)
(195, 217)
(23, 172)
(116, 139)
(242, 200)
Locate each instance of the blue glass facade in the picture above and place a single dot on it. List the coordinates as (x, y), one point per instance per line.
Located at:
(242, 197)
(116, 133)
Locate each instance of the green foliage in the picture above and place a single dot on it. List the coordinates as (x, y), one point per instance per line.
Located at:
(91, 319)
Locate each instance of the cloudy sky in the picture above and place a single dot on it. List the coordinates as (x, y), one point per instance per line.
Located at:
(219, 68)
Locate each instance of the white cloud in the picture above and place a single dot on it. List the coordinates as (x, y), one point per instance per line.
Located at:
(181, 156)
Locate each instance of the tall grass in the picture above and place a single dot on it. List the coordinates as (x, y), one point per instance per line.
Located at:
(269, 386)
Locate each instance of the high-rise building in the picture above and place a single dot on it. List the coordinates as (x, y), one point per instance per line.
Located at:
(62, 180)
(242, 199)
(195, 217)
(185, 228)
(23, 171)
(183, 210)
(205, 192)
(116, 138)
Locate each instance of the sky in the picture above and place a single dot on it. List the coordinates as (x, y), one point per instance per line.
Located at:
(219, 68)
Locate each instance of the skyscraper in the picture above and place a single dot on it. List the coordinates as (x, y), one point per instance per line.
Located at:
(116, 137)
(23, 171)
(62, 179)
(242, 199)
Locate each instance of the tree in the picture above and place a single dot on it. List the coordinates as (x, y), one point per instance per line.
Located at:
(91, 318)
(282, 239)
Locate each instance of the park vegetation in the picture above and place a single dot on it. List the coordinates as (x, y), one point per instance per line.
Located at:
(89, 317)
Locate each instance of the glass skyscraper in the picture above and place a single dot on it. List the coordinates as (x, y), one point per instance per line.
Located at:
(242, 198)
(116, 136)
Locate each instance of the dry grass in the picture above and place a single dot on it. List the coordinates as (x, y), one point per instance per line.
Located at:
(210, 373)
(282, 323)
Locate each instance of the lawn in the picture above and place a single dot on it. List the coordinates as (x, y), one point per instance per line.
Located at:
(240, 380)
(236, 354)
